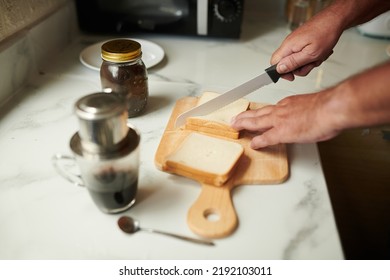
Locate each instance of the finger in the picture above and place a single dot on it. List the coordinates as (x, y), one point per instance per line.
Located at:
(304, 70)
(253, 123)
(330, 53)
(281, 52)
(294, 62)
(268, 138)
(243, 115)
(289, 77)
(253, 113)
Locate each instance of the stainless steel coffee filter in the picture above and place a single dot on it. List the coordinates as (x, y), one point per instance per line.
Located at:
(103, 120)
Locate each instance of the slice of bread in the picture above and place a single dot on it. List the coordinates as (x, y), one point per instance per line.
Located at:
(218, 122)
(204, 158)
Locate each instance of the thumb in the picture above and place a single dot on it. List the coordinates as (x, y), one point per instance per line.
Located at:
(294, 62)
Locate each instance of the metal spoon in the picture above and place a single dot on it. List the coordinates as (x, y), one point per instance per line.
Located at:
(130, 225)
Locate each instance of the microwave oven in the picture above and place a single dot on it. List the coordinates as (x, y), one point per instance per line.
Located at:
(213, 18)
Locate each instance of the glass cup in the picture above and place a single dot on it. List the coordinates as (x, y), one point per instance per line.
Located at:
(110, 176)
(300, 13)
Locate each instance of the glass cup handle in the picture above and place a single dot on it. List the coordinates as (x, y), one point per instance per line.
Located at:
(59, 162)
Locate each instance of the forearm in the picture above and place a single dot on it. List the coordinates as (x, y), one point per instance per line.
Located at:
(361, 101)
(350, 13)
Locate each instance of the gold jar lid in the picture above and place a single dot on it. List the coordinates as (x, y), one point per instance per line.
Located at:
(121, 50)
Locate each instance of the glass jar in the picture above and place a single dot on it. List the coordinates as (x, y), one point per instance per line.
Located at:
(299, 11)
(124, 74)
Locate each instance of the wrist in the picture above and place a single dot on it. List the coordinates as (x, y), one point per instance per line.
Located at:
(338, 14)
(349, 13)
(336, 107)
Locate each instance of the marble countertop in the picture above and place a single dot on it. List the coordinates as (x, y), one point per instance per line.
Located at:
(43, 216)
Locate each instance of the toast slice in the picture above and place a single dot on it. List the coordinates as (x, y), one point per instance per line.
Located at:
(204, 158)
(218, 122)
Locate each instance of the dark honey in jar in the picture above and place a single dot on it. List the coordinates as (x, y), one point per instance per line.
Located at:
(123, 73)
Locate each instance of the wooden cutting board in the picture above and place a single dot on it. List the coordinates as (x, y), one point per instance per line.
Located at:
(213, 215)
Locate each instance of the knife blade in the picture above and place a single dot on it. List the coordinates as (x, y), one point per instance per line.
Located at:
(269, 76)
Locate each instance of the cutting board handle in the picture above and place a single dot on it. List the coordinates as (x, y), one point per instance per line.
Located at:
(213, 214)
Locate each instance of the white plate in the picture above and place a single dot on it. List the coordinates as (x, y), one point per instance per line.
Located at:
(152, 54)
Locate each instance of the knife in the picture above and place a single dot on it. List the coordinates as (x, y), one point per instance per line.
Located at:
(269, 76)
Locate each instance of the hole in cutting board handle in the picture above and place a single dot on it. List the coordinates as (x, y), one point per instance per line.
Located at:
(211, 215)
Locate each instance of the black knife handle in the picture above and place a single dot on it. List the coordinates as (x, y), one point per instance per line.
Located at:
(272, 73)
